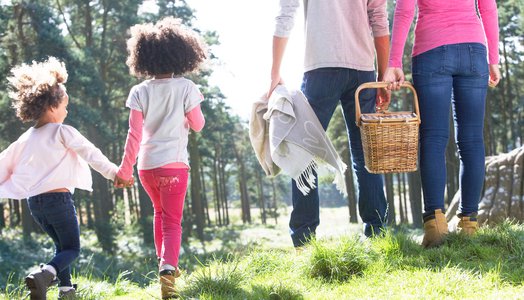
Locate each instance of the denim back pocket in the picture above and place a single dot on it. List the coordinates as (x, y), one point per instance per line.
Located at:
(322, 83)
(479, 59)
(430, 62)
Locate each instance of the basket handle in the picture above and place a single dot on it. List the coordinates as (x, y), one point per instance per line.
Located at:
(378, 85)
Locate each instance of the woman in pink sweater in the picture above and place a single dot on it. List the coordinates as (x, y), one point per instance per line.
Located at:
(451, 65)
(163, 109)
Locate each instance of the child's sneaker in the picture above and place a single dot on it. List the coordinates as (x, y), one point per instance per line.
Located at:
(38, 281)
(69, 294)
(167, 283)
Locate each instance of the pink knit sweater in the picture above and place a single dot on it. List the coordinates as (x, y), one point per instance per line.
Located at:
(195, 121)
(443, 22)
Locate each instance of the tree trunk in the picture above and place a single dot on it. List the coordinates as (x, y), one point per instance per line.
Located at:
(127, 207)
(88, 21)
(102, 205)
(260, 194)
(16, 216)
(244, 197)
(28, 223)
(405, 193)
(350, 184)
(136, 202)
(223, 189)
(489, 140)
(415, 198)
(452, 165)
(390, 196)
(204, 195)
(216, 185)
(89, 213)
(146, 215)
(275, 205)
(79, 211)
(196, 188)
(507, 107)
(2, 216)
(400, 199)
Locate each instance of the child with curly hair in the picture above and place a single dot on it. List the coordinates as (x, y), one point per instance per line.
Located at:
(46, 164)
(163, 109)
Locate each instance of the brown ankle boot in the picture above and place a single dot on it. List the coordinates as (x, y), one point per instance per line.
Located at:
(167, 283)
(468, 225)
(435, 229)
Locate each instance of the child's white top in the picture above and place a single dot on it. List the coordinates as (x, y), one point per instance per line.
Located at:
(164, 104)
(50, 157)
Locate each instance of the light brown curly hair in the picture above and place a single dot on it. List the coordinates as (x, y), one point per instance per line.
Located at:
(35, 88)
(162, 48)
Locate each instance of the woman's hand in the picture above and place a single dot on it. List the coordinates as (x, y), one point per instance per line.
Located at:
(494, 75)
(395, 78)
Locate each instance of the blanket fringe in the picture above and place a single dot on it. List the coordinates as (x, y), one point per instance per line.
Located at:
(306, 180)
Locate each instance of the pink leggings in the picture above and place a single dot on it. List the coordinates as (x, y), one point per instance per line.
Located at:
(167, 189)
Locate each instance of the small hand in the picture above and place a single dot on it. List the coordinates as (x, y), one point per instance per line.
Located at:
(130, 182)
(494, 75)
(122, 183)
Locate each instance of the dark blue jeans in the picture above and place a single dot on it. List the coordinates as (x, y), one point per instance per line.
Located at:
(324, 89)
(56, 214)
(452, 75)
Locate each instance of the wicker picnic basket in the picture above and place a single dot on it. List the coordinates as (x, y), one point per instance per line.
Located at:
(389, 139)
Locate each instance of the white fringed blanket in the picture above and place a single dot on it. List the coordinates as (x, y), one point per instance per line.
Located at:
(287, 136)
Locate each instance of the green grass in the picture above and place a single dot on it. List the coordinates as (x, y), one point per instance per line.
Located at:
(486, 266)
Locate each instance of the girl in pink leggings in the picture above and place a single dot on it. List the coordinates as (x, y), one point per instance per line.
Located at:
(163, 109)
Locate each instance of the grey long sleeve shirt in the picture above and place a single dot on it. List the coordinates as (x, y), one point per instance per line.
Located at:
(338, 33)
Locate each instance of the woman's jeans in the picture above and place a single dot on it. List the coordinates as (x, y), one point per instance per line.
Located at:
(325, 88)
(454, 74)
(56, 214)
(167, 189)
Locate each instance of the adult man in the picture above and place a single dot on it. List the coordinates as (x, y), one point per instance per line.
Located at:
(341, 38)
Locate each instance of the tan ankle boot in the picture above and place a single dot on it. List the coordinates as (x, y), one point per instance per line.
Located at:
(468, 225)
(167, 283)
(435, 229)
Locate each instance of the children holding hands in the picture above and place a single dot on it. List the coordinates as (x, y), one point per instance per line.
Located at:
(50, 160)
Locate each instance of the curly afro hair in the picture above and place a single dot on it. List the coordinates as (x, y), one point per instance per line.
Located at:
(35, 88)
(162, 48)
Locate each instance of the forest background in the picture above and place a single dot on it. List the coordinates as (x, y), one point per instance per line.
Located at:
(90, 37)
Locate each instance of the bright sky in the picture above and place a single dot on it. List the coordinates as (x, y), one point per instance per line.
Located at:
(245, 31)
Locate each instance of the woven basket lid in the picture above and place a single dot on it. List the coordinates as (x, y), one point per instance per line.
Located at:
(401, 116)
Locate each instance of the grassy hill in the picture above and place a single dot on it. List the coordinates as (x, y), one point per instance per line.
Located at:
(488, 266)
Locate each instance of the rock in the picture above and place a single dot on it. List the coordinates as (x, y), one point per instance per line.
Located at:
(503, 193)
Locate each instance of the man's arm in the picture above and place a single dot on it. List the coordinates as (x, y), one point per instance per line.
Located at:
(382, 49)
(285, 22)
(279, 47)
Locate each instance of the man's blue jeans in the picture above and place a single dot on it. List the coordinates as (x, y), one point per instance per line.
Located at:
(325, 88)
(455, 75)
(56, 214)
